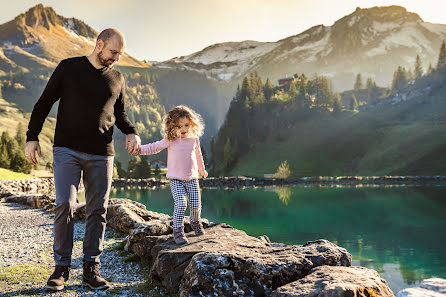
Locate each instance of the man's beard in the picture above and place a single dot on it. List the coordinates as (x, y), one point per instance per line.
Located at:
(105, 62)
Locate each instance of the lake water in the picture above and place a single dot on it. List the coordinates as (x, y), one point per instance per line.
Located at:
(398, 231)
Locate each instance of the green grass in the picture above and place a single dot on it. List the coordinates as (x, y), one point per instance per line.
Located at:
(8, 174)
(11, 116)
(402, 139)
(25, 273)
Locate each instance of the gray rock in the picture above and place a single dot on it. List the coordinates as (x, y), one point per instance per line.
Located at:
(225, 261)
(337, 281)
(34, 200)
(431, 287)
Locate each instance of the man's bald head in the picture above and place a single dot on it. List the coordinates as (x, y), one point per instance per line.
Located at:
(110, 33)
(110, 45)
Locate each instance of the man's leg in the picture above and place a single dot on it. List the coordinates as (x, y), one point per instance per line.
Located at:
(98, 172)
(67, 172)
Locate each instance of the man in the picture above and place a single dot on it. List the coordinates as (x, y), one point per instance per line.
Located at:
(92, 95)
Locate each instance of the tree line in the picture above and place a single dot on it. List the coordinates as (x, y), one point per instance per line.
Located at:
(260, 110)
(12, 154)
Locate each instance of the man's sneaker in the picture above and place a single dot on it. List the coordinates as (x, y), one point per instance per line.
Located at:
(197, 227)
(92, 277)
(179, 236)
(58, 278)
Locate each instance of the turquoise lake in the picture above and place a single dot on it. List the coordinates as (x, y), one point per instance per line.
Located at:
(398, 231)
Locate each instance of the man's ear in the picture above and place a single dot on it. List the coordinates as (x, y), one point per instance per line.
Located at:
(100, 44)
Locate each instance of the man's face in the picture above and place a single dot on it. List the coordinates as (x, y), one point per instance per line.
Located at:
(110, 52)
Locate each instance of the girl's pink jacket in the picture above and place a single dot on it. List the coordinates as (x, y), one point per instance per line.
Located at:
(184, 158)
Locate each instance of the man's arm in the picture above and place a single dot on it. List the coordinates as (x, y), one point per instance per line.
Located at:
(50, 95)
(132, 140)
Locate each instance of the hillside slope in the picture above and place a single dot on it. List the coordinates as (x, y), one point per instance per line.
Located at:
(397, 137)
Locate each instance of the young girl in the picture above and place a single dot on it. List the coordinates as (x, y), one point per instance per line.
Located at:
(182, 128)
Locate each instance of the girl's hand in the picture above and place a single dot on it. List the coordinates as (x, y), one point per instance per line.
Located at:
(204, 173)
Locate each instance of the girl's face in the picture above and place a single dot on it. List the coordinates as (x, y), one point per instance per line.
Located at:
(183, 127)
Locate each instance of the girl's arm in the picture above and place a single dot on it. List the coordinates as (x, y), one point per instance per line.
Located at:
(199, 156)
(154, 147)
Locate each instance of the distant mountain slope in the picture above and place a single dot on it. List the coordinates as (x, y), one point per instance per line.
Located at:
(33, 43)
(401, 135)
(372, 41)
(40, 37)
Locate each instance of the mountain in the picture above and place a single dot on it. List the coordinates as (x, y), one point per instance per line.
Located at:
(41, 38)
(398, 132)
(372, 41)
(33, 43)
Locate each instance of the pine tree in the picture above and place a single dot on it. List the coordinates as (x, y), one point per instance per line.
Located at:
(293, 91)
(132, 166)
(358, 82)
(429, 69)
(442, 56)
(410, 76)
(5, 158)
(372, 90)
(245, 93)
(120, 171)
(157, 171)
(418, 68)
(205, 156)
(337, 105)
(213, 152)
(322, 89)
(353, 102)
(268, 89)
(227, 153)
(399, 80)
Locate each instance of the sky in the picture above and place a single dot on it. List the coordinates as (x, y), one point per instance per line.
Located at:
(157, 30)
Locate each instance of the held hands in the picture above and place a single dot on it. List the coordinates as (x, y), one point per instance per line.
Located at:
(203, 174)
(30, 151)
(133, 144)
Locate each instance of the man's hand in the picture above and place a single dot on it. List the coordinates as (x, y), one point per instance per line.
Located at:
(30, 151)
(133, 144)
(204, 173)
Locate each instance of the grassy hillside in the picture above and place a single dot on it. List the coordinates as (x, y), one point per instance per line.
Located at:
(407, 138)
(8, 174)
(11, 117)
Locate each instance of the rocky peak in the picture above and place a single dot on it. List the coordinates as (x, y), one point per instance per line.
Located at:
(381, 14)
(39, 16)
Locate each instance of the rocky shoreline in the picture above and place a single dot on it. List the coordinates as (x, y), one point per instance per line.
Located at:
(46, 185)
(223, 262)
(323, 181)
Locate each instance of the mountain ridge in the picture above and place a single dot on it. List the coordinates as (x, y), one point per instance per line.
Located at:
(371, 40)
(42, 33)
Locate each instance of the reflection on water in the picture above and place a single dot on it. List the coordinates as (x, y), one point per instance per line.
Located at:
(397, 231)
(284, 193)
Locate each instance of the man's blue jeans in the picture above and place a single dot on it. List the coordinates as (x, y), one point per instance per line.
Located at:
(97, 177)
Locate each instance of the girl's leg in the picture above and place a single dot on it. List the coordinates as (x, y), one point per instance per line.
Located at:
(179, 198)
(194, 195)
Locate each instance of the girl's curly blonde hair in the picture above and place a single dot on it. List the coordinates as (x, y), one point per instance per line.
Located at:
(170, 122)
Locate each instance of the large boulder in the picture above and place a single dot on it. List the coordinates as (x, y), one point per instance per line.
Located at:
(29, 186)
(225, 261)
(124, 215)
(431, 287)
(337, 281)
(34, 200)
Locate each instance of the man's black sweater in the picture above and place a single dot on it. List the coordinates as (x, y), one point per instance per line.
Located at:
(91, 102)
